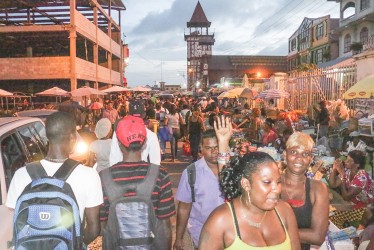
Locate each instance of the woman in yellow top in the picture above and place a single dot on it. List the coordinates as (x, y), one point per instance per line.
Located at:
(254, 217)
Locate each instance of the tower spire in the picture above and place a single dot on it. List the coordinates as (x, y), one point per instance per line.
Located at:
(198, 18)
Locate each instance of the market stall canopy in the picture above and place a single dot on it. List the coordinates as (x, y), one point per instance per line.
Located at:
(239, 92)
(86, 91)
(116, 89)
(273, 94)
(227, 94)
(5, 93)
(141, 89)
(55, 91)
(362, 89)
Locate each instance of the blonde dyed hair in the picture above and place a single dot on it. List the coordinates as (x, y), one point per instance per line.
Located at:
(299, 139)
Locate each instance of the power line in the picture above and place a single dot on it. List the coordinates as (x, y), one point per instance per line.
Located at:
(276, 25)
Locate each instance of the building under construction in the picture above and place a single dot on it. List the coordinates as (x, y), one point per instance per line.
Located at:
(65, 43)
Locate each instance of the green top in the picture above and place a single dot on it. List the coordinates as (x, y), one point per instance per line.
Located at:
(240, 245)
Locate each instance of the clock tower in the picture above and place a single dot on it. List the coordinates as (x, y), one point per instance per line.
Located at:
(199, 49)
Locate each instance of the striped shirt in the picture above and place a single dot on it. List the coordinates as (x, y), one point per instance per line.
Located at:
(133, 172)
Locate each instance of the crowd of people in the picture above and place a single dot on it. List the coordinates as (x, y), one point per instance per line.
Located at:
(253, 182)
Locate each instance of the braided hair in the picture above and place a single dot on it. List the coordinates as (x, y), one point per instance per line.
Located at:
(240, 167)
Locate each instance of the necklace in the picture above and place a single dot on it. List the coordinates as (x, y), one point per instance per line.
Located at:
(250, 222)
(55, 160)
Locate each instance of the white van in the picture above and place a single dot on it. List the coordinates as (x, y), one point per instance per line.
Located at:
(22, 140)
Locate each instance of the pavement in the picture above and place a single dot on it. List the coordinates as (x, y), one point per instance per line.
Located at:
(175, 170)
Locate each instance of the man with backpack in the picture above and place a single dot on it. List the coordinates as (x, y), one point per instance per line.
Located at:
(138, 198)
(52, 198)
(198, 191)
(151, 151)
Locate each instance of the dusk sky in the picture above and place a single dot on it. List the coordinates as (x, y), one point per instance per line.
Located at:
(155, 32)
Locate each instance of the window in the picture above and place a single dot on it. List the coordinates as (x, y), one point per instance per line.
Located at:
(364, 34)
(318, 56)
(319, 31)
(33, 143)
(12, 155)
(293, 44)
(349, 10)
(347, 43)
(365, 4)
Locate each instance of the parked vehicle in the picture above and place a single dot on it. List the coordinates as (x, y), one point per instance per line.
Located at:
(22, 140)
(81, 148)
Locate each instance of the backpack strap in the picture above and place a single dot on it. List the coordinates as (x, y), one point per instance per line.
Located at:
(112, 189)
(36, 170)
(66, 169)
(145, 188)
(191, 174)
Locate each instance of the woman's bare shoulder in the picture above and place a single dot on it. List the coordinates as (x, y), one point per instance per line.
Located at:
(283, 208)
(220, 217)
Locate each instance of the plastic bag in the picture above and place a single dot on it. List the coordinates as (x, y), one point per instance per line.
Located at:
(186, 148)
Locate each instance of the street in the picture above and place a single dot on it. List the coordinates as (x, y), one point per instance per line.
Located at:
(175, 170)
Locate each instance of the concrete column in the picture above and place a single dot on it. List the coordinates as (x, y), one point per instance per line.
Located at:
(73, 47)
(96, 47)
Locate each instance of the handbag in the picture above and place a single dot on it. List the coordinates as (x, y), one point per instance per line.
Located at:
(186, 148)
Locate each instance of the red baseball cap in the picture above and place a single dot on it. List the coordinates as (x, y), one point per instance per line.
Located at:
(131, 129)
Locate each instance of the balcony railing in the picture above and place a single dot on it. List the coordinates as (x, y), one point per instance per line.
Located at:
(369, 44)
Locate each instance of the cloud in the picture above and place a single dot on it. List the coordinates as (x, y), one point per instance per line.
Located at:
(155, 31)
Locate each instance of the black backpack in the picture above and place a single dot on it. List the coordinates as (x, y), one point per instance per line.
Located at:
(191, 175)
(132, 222)
(47, 215)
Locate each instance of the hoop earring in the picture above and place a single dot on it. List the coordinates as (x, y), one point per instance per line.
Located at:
(249, 203)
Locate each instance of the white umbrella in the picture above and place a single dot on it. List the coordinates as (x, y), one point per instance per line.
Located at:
(244, 92)
(116, 89)
(4, 93)
(141, 89)
(55, 91)
(273, 94)
(86, 91)
(227, 94)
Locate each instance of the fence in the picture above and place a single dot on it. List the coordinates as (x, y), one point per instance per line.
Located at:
(307, 88)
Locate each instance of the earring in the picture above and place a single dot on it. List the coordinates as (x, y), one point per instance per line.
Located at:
(249, 203)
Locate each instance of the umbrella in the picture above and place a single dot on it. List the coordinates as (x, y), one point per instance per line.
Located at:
(96, 105)
(248, 93)
(243, 92)
(116, 89)
(86, 91)
(141, 89)
(273, 94)
(55, 91)
(5, 93)
(362, 89)
(227, 94)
